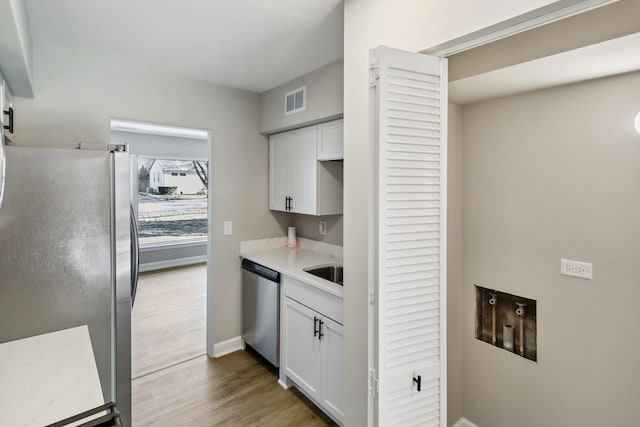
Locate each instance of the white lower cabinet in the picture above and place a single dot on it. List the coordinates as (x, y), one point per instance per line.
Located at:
(313, 351)
(302, 347)
(331, 368)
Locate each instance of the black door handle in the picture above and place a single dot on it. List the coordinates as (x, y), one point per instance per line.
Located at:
(9, 113)
(315, 327)
(418, 380)
(320, 333)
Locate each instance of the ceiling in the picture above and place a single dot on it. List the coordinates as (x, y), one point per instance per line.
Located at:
(246, 44)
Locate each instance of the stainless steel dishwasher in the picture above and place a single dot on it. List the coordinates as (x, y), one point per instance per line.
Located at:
(261, 310)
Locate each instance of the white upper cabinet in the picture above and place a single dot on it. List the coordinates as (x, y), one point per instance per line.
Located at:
(303, 169)
(330, 140)
(279, 164)
(6, 111)
(298, 181)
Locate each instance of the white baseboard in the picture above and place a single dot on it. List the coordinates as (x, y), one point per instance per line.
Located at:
(159, 265)
(463, 422)
(228, 346)
(284, 385)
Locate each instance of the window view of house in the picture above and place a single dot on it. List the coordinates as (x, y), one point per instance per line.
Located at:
(172, 201)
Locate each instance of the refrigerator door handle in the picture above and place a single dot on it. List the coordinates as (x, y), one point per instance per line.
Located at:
(135, 255)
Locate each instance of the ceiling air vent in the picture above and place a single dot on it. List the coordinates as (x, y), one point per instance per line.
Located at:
(295, 100)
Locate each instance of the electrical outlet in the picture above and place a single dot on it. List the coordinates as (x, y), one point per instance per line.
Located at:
(323, 228)
(228, 228)
(584, 270)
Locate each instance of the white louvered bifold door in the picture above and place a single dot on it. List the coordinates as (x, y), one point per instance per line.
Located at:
(409, 253)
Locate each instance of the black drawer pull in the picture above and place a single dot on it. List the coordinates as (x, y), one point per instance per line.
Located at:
(418, 380)
(320, 333)
(315, 326)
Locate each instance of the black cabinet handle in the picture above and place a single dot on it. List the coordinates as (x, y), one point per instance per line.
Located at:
(290, 203)
(287, 203)
(418, 380)
(320, 333)
(315, 327)
(9, 113)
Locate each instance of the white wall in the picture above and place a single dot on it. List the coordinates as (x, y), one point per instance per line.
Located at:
(547, 175)
(77, 93)
(324, 100)
(415, 25)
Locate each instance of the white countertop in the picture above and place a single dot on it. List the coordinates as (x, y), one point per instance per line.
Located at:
(274, 254)
(47, 378)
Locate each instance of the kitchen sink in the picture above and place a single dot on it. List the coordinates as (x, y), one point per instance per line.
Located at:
(330, 272)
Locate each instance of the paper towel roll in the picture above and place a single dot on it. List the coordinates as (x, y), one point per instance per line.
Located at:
(291, 238)
(507, 337)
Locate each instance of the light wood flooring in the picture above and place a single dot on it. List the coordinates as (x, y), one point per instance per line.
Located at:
(172, 387)
(168, 321)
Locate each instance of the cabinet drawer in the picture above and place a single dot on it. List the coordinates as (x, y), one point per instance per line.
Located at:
(316, 299)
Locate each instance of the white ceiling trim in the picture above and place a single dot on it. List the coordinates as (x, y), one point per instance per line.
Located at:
(528, 21)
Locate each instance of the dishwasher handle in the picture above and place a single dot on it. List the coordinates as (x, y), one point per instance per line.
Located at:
(261, 270)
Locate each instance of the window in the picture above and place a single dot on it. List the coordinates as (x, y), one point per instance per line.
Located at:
(173, 209)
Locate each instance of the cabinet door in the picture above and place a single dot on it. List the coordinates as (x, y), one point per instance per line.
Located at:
(330, 141)
(279, 165)
(301, 347)
(332, 368)
(304, 179)
(4, 101)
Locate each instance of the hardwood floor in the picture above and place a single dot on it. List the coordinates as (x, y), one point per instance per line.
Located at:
(234, 390)
(168, 322)
(177, 384)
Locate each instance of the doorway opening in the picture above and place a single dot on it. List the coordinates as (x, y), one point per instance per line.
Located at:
(169, 194)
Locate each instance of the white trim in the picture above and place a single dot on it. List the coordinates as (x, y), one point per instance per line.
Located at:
(284, 384)
(170, 263)
(444, 208)
(151, 247)
(155, 129)
(228, 346)
(527, 21)
(463, 422)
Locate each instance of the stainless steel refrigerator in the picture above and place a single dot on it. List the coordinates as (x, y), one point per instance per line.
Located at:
(67, 257)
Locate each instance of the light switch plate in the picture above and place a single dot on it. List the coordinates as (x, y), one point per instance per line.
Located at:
(584, 270)
(228, 228)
